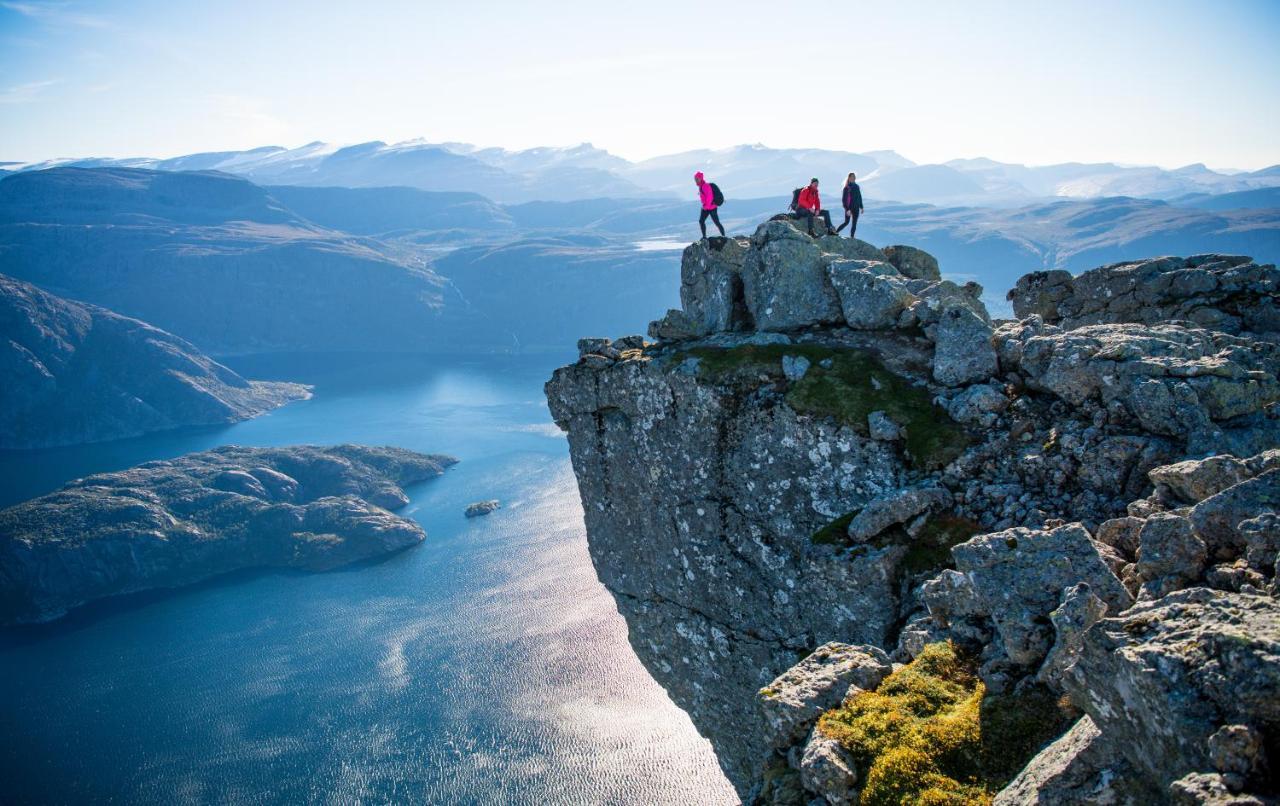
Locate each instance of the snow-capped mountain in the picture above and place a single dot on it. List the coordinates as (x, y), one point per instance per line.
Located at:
(743, 172)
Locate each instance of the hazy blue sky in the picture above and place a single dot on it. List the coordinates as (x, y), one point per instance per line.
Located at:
(1164, 83)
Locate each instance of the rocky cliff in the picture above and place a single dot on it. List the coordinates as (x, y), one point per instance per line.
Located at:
(170, 523)
(79, 373)
(829, 442)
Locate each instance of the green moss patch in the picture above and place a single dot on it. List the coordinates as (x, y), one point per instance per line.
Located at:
(854, 385)
(835, 533)
(930, 734)
(932, 548)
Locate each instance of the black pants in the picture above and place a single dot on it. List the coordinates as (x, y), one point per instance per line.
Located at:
(850, 218)
(808, 216)
(715, 216)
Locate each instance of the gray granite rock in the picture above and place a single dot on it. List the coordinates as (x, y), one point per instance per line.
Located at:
(827, 770)
(1161, 678)
(1228, 293)
(912, 262)
(1080, 767)
(963, 352)
(794, 700)
(1019, 576)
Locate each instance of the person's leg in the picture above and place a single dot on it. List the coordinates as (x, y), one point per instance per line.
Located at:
(826, 217)
(702, 222)
(807, 215)
(715, 216)
(853, 225)
(844, 223)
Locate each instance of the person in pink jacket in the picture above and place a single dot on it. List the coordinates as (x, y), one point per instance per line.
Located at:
(709, 207)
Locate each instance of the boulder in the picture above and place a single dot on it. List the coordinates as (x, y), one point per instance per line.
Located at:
(963, 352)
(827, 770)
(793, 702)
(1169, 547)
(979, 404)
(676, 325)
(1262, 541)
(1217, 519)
(912, 262)
(1080, 610)
(711, 293)
(1040, 293)
(1209, 789)
(1019, 575)
(872, 296)
(1164, 676)
(893, 509)
(1194, 480)
(785, 280)
(1078, 768)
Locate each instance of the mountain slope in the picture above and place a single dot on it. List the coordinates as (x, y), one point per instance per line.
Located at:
(79, 373)
(218, 261)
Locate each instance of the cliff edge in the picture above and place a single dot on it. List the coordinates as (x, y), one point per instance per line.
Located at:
(830, 449)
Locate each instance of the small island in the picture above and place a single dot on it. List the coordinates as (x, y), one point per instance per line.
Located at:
(482, 508)
(171, 523)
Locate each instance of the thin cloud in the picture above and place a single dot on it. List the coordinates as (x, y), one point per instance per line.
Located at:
(25, 93)
(56, 14)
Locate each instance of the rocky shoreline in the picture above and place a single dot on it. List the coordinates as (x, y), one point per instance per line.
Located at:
(165, 524)
(831, 443)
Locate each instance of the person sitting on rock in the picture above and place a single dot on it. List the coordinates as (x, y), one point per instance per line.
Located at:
(709, 207)
(852, 201)
(809, 205)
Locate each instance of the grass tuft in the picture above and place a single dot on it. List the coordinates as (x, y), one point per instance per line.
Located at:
(854, 385)
(930, 734)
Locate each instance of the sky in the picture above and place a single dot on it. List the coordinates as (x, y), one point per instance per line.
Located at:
(1157, 83)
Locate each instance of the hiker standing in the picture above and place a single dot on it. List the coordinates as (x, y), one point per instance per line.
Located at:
(852, 201)
(809, 205)
(710, 203)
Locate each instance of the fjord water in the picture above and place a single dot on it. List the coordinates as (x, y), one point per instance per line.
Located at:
(486, 665)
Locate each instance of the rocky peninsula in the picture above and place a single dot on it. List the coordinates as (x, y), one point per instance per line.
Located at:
(884, 549)
(80, 373)
(165, 524)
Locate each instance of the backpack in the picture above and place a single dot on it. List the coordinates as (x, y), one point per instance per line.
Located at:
(717, 198)
(795, 200)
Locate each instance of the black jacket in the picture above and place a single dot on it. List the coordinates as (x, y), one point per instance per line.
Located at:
(852, 198)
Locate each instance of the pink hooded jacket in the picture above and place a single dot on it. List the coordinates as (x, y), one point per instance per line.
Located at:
(704, 192)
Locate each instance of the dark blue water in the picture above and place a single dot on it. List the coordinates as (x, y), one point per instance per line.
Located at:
(485, 666)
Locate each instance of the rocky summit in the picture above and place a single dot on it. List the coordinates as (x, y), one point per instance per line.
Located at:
(169, 523)
(80, 373)
(883, 548)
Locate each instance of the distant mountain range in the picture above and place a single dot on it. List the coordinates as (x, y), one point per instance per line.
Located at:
(236, 267)
(745, 171)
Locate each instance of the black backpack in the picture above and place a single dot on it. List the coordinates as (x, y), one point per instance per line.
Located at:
(795, 200)
(717, 198)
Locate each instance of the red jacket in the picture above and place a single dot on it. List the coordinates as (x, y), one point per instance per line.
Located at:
(809, 199)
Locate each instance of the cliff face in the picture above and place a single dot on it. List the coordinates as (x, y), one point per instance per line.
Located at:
(80, 373)
(170, 523)
(792, 460)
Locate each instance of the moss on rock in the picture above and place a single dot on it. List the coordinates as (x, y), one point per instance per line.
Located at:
(849, 387)
(930, 734)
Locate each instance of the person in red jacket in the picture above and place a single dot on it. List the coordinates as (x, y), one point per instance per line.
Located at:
(708, 199)
(809, 205)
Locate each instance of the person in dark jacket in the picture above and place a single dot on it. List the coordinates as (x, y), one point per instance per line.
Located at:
(809, 205)
(852, 201)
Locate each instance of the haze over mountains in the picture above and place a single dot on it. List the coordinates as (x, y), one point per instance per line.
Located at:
(238, 267)
(744, 171)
